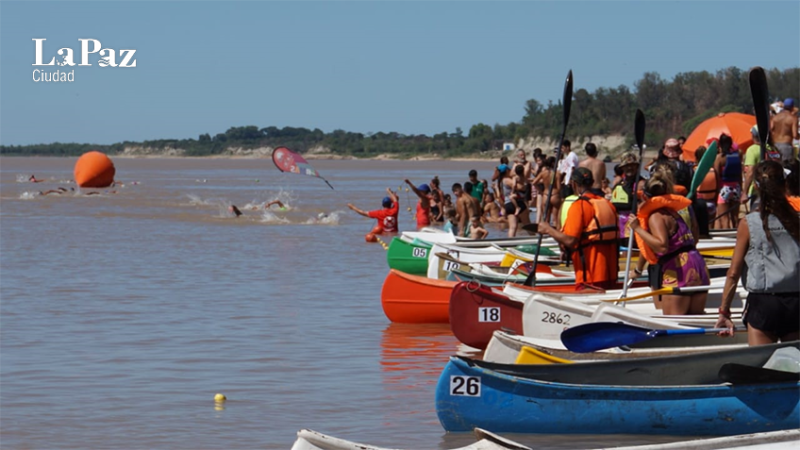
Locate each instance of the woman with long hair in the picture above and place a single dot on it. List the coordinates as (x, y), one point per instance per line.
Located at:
(666, 232)
(767, 256)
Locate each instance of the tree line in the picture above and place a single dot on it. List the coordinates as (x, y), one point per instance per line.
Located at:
(672, 107)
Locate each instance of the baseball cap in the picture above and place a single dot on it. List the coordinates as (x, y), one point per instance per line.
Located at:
(424, 187)
(754, 131)
(582, 176)
(387, 202)
(788, 103)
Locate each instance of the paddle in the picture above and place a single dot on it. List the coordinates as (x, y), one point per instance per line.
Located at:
(703, 166)
(664, 291)
(595, 336)
(760, 93)
(567, 102)
(741, 374)
(638, 130)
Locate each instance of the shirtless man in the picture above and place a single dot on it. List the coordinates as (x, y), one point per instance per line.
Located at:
(464, 210)
(783, 130)
(597, 167)
(469, 189)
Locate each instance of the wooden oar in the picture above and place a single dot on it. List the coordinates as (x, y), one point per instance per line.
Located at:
(595, 336)
(665, 291)
(567, 102)
(760, 94)
(638, 130)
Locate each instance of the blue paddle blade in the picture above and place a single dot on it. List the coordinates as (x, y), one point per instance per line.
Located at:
(595, 336)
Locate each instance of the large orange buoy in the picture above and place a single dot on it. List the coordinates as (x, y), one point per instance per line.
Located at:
(94, 170)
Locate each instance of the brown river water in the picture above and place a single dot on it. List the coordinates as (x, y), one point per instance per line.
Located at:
(123, 313)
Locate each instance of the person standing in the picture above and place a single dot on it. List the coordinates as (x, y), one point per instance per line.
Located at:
(465, 209)
(767, 257)
(666, 232)
(423, 213)
(623, 192)
(783, 129)
(386, 217)
(568, 163)
(437, 198)
(591, 232)
(672, 151)
(597, 167)
(479, 187)
(729, 166)
(469, 189)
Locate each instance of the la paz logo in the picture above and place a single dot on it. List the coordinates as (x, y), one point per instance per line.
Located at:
(106, 57)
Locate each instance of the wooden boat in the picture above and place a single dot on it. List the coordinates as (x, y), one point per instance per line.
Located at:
(505, 347)
(410, 298)
(698, 394)
(769, 440)
(312, 440)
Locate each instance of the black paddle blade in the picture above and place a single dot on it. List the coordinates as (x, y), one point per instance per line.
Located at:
(741, 374)
(760, 93)
(638, 131)
(595, 336)
(567, 99)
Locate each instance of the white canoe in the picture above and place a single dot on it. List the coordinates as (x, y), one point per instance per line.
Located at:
(312, 440)
(770, 440)
(504, 348)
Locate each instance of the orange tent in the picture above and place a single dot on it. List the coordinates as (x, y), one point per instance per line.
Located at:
(94, 170)
(735, 125)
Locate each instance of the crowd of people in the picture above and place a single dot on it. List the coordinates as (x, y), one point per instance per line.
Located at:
(592, 218)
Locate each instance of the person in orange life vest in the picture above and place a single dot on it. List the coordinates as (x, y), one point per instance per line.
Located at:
(423, 214)
(386, 217)
(591, 231)
(667, 231)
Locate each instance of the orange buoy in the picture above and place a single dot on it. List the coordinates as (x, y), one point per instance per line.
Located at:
(369, 237)
(94, 170)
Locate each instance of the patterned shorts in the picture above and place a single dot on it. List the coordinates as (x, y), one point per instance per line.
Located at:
(730, 193)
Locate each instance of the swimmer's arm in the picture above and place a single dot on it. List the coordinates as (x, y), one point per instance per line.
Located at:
(363, 213)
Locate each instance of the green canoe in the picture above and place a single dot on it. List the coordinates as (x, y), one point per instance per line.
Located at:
(408, 257)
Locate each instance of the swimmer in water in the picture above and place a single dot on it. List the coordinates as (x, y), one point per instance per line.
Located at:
(234, 210)
(59, 191)
(33, 179)
(275, 202)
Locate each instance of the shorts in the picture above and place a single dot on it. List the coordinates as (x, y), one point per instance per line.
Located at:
(511, 209)
(731, 192)
(773, 313)
(786, 150)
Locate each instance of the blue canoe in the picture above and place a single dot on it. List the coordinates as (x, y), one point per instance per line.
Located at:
(679, 395)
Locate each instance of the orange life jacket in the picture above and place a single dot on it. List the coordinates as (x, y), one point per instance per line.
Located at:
(603, 228)
(795, 202)
(673, 202)
(708, 188)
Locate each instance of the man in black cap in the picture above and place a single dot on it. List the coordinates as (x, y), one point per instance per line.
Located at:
(591, 232)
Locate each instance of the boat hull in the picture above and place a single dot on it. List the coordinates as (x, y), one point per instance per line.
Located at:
(410, 298)
(408, 257)
(477, 311)
(468, 396)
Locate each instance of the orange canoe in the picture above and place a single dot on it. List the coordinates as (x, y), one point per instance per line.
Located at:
(415, 299)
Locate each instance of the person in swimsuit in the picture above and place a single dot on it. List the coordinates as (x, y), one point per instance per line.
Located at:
(767, 257)
(423, 214)
(437, 198)
(729, 166)
(666, 232)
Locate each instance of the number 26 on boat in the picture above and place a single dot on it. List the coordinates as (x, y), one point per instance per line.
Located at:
(468, 386)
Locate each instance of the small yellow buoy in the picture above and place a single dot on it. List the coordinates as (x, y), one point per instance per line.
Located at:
(219, 398)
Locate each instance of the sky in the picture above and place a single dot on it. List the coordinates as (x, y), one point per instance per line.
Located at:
(409, 67)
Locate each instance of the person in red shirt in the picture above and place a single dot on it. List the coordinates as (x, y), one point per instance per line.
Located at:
(386, 217)
(591, 232)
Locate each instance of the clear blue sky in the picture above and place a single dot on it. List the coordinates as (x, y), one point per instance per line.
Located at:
(410, 67)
